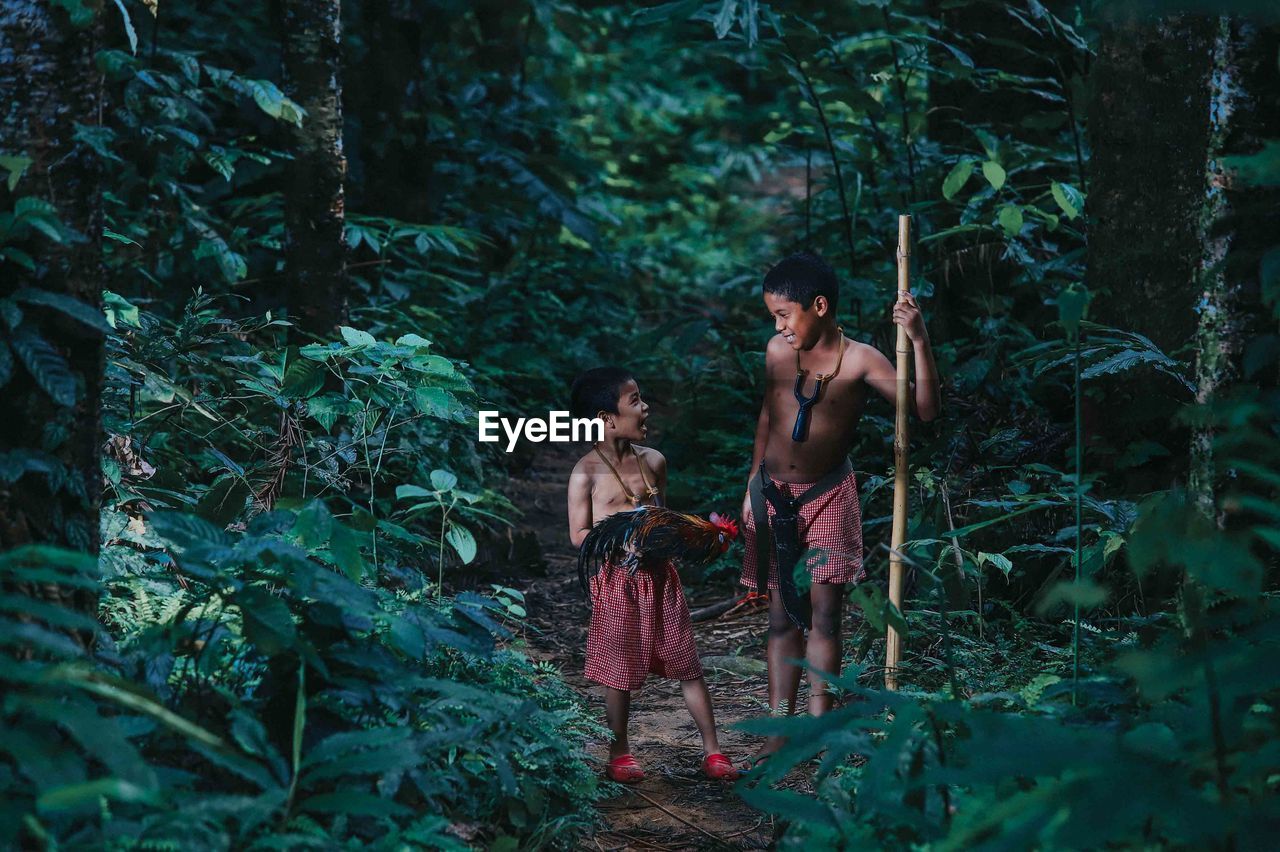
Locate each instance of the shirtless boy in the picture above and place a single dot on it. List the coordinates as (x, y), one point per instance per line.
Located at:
(639, 622)
(816, 387)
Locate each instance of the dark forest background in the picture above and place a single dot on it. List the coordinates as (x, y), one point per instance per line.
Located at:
(261, 262)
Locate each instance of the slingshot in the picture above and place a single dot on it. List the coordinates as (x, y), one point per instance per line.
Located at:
(800, 431)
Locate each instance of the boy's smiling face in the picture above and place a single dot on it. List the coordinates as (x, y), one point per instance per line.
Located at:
(629, 422)
(800, 327)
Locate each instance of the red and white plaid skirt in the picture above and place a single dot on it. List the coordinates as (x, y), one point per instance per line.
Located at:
(639, 626)
(831, 524)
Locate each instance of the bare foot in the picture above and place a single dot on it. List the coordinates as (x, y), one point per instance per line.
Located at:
(771, 745)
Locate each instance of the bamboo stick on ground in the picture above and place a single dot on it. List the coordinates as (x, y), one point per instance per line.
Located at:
(893, 642)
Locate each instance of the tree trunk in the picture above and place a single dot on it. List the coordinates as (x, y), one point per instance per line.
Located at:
(1217, 331)
(51, 342)
(1238, 228)
(315, 215)
(1149, 130)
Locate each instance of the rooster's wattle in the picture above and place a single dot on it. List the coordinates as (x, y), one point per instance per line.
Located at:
(653, 532)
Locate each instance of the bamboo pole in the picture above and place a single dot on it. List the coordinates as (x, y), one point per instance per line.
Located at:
(893, 642)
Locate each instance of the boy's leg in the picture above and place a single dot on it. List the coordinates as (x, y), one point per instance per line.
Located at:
(698, 699)
(824, 650)
(786, 643)
(617, 707)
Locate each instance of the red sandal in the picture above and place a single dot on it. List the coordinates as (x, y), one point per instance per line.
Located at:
(717, 767)
(624, 770)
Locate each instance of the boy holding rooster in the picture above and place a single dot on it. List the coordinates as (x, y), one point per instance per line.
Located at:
(639, 618)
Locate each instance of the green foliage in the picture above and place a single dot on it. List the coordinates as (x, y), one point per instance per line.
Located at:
(284, 655)
(1177, 719)
(275, 672)
(257, 690)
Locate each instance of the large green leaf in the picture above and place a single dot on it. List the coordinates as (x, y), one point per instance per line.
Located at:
(404, 492)
(49, 369)
(272, 101)
(443, 480)
(1073, 304)
(303, 379)
(340, 746)
(878, 609)
(356, 337)
(997, 559)
(415, 341)
(15, 166)
(787, 803)
(994, 173)
(462, 542)
(1010, 218)
(268, 623)
(956, 178)
(187, 531)
(314, 525)
(327, 409)
(344, 545)
(75, 796)
(1068, 198)
(133, 697)
(437, 402)
(69, 305)
(97, 735)
(225, 500)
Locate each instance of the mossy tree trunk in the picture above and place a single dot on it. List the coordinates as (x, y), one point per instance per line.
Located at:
(315, 203)
(1237, 230)
(51, 326)
(1174, 245)
(1218, 327)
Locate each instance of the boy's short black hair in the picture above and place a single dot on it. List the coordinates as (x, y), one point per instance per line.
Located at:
(802, 277)
(597, 390)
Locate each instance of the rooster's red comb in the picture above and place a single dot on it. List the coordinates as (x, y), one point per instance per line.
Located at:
(724, 522)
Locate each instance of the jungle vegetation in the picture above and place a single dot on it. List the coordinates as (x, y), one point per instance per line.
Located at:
(260, 263)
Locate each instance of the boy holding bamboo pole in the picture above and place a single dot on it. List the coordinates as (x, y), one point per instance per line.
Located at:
(802, 485)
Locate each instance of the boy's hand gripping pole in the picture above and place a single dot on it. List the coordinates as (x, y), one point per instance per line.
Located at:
(893, 642)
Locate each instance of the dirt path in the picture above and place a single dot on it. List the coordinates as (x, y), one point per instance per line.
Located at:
(674, 807)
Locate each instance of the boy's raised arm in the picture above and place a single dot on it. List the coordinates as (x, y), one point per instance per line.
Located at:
(926, 399)
(579, 506)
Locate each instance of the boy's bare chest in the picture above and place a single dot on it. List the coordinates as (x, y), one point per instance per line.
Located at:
(609, 495)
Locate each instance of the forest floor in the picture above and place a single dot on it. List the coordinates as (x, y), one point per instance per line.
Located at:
(675, 807)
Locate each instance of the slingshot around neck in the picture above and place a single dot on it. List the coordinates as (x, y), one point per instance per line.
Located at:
(800, 431)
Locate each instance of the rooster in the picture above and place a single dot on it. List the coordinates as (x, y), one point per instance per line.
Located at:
(653, 532)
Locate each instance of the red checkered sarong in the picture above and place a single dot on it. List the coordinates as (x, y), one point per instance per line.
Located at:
(831, 523)
(639, 626)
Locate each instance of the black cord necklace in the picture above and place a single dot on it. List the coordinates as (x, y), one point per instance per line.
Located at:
(800, 431)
